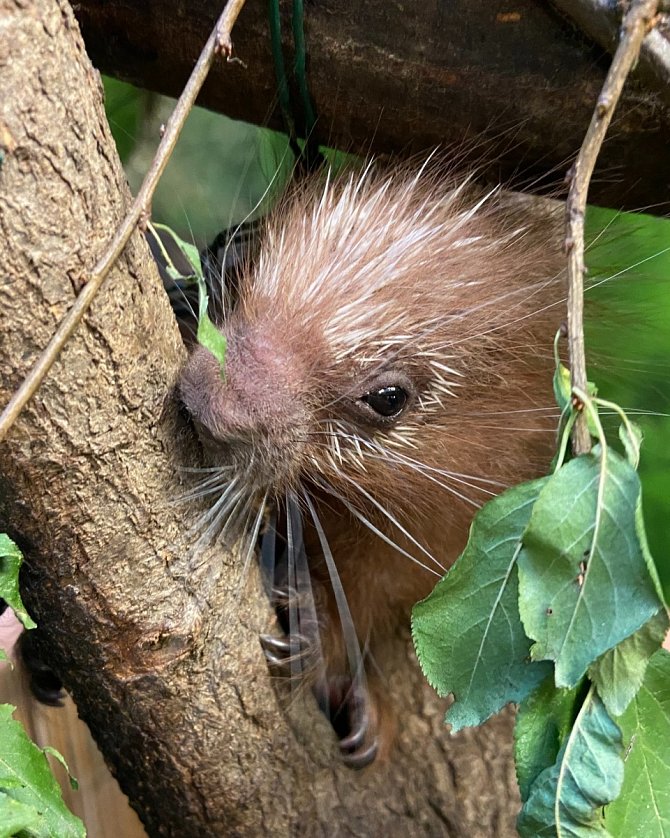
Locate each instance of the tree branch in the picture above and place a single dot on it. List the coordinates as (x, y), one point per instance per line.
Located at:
(600, 20)
(635, 26)
(218, 42)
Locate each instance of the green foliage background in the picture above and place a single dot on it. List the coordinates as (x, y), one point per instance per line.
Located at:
(628, 336)
(223, 171)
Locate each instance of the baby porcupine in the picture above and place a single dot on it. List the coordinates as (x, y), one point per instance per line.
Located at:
(388, 370)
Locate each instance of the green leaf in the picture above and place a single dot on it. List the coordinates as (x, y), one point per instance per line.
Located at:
(191, 253)
(467, 633)
(47, 749)
(211, 338)
(584, 585)
(10, 562)
(562, 386)
(207, 335)
(618, 674)
(174, 249)
(641, 533)
(542, 725)
(563, 394)
(567, 798)
(643, 808)
(630, 435)
(15, 817)
(26, 777)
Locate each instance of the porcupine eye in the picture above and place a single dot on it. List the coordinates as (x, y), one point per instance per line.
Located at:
(387, 401)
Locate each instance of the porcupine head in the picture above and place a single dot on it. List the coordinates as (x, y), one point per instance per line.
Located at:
(388, 370)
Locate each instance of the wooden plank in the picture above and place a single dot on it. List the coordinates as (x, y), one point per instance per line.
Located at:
(99, 801)
(513, 82)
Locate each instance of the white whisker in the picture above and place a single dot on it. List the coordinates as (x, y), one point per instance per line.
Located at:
(385, 538)
(351, 644)
(252, 539)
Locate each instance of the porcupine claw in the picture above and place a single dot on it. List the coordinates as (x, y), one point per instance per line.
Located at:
(281, 652)
(357, 751)
(275, 645)
(347, 705)
(361, 759)
(280, 597)
(288, 655)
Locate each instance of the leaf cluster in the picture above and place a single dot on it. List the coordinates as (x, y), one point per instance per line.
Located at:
(555, 605)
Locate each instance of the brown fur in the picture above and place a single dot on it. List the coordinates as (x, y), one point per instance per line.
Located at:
(410, 277)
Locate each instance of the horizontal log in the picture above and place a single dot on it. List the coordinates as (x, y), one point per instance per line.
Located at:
(514, 83)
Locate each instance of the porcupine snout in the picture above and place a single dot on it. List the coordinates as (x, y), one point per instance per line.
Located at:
(251, 415)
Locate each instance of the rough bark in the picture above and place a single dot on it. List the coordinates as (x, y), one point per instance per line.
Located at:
(516, 83)
(162, 657)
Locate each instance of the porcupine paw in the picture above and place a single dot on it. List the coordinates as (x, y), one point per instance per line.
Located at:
(360, 747)
(351, 713)
(285, 654)
(288, 654)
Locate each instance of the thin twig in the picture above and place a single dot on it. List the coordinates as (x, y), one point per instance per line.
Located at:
(219, 42)
(635, 26)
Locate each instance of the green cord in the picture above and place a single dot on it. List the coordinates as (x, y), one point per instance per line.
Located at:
(309, 156)
(280, 67)
(301, 65)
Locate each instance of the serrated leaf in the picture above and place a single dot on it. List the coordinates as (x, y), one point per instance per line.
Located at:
(15, 817)
(10, 563)
(643, 808)
(567, 798)
(26, 777)
(583, 579)
(467, 633)
(619, 673)
(542, 724)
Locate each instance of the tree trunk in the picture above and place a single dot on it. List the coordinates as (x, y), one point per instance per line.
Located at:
(162, 657)
(512, 84)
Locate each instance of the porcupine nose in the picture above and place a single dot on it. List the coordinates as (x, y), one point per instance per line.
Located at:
(250, 415)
